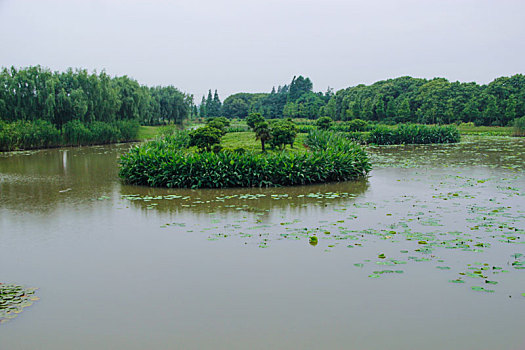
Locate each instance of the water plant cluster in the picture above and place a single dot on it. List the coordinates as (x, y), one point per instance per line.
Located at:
(413, 134)
(24, 134)
(160, 164)
(13, 299)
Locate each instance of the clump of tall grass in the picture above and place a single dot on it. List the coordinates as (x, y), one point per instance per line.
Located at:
(413, 134)
(76, 133)
(28, 135)
(35, 134)
(158, 164)
(519, 127)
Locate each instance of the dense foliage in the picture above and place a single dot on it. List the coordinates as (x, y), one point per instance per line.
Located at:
(83, 108)
(204, 138)
(34, 93)
(36, 134)
(413, 134)
(159, 164)
(519, 127)
(324, 123)
(435, 101)
(283, 132)
(392, 101)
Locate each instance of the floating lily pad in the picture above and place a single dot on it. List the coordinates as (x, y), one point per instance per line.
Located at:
(13, 299)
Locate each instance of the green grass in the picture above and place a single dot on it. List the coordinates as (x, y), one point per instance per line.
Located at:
(148, 132)
(485, 130)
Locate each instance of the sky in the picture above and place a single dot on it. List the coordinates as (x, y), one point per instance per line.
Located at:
(252, 45)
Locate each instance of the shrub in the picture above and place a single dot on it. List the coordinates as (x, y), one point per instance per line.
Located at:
(204, 138)
(42, 134)
(28, 135)
(217, 124)
(324, 123)
(223, 120)
(103, 133)
(305, 128)
(357, 125)
(129, 129)
(75, 133)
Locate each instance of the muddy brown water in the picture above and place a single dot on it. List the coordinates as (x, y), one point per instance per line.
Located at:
(125, 267)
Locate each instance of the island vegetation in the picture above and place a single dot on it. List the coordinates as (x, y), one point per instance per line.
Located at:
(197, 160)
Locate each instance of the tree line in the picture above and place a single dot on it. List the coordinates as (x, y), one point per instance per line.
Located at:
(36, 93)
(392, 101)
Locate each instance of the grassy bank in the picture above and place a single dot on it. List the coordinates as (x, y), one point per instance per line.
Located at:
(466, 129)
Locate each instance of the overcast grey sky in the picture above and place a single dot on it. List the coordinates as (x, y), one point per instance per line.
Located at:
(252, 45)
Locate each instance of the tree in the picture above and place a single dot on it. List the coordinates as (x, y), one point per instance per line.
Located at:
(216, 105)
(283, 132)
(263, 133)
(403, 112)
(202, 108)
(298, 87)
(220, 123)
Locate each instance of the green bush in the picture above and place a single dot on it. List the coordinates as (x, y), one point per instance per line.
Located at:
(75, 133)
(103, 133)
(129, 129)
(158, 165)
(324, 123)
(204, 138)
(28, 135)
(283, 132)
(253, 119)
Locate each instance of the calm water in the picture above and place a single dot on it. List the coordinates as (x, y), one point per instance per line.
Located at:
(123, 267)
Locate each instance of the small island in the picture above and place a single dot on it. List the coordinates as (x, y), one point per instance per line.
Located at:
(202, 159)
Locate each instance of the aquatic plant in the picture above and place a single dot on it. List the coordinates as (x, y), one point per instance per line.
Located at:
(13, 299)
(413, 134)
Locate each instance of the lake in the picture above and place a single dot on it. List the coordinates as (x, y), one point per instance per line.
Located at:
(426, 253)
